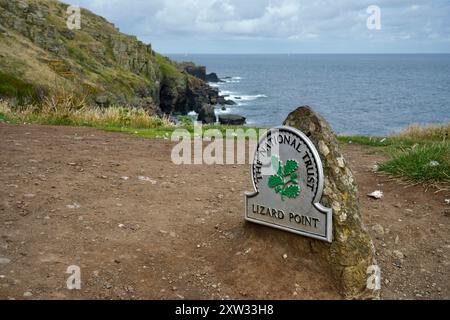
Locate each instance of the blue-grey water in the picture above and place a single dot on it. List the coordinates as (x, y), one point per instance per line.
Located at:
(357, 94)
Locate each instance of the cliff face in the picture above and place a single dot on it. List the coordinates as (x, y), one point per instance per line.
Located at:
(39, 54)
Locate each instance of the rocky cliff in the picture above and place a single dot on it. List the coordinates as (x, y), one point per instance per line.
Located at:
(39, 55)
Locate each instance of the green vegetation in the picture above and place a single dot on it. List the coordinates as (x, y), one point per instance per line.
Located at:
(98, 56)
(68, 110)
(366, 140)
(424, 163)
(417, 154)
(168, 69)
(11, 86)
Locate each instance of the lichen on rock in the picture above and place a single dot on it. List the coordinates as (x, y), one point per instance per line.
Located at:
(352, 251)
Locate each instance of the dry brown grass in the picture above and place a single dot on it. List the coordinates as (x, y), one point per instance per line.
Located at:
(22, 57)
(430, 132)
(71, 109)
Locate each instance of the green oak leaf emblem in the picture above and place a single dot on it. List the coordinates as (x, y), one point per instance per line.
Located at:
(285, 181)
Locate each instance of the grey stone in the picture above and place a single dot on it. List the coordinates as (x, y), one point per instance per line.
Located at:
(28, 294)
(4, 261)
(352, 251)
(398, 254)
(231, 119)
(379, 230)
(102, 100)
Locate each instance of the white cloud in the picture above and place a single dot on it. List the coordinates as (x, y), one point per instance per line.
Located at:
(326, 21)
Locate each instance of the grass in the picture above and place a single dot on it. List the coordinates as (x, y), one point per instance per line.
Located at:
(11, 86)
(166, 131)
(423, 163)
(160, 132)
(68, 110)
(366, 140)
(166, 67)
(416, 132)
(419, 154)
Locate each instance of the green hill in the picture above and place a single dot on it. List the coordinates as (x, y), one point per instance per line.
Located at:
(40, 56)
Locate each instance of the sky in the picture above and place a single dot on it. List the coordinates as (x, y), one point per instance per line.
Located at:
(281, 26)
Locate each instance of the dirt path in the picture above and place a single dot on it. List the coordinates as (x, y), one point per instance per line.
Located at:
(410, 228)
(72, 196)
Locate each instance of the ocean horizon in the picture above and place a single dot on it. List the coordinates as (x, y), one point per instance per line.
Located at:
(367, 94)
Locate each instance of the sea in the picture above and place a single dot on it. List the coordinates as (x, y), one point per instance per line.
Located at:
(366, 94)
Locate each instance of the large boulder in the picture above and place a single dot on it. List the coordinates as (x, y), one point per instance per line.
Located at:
(212, 77)
(231, 119)
(102, 101)
(206, 114)
(352, 252)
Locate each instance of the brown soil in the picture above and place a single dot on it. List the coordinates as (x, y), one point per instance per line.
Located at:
(64, 201)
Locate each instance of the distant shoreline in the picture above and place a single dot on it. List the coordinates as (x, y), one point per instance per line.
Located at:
(366, 94)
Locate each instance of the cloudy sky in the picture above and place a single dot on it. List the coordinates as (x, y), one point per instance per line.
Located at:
(280, 26)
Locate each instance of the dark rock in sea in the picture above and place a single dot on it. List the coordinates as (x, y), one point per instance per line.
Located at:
(238, 98)
(222, 101)
(183, 99)
(206, 114)
(212, 77)
(230, 103)
(199, 94)
(224, 108)
(231, 119)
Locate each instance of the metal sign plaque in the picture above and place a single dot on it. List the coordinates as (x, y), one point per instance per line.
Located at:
(288, 179)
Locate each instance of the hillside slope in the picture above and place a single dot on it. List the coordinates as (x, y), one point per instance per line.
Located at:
(39, 55)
